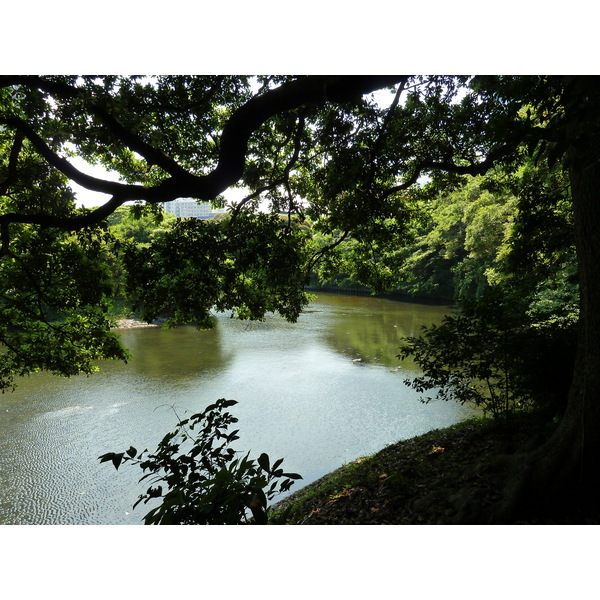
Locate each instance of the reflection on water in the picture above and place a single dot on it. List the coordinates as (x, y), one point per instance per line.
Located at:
(318, 393)
(370, 329)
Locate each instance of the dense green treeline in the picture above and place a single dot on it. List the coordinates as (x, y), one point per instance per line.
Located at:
(507, 254)
(508, 234)
(486, 233)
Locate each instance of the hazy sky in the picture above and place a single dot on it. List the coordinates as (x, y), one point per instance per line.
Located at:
(92, 199)
(85, 197)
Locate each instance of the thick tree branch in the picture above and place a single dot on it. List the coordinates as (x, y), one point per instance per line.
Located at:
(473, 169)
(234, 144)
(283, 180)
(249, 117)
(152, 155)
(64, 166)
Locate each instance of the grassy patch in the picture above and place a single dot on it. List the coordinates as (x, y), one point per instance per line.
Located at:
(419, 480)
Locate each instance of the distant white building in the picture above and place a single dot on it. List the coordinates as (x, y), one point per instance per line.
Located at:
(186, 208)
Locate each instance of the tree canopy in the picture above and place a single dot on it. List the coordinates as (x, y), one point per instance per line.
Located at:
(315, 146)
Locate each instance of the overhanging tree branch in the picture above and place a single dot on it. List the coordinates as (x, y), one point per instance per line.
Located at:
(232, 156)
(249, 117)
(473, 169)
(152, 155)
(89, 182)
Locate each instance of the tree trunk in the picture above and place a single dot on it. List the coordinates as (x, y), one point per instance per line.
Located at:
(565, 471)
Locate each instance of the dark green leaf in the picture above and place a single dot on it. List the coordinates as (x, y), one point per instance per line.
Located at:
(117, 458)
(263, 461)
(106, 457)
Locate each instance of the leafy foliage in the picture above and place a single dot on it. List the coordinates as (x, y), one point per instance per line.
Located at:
(513, 344)
(320, 150)
(342, 170)
(494, 356)
(200, 479)
(196, 266)
(457, 249)
(470, 360)
(55, 296)
(139, 223)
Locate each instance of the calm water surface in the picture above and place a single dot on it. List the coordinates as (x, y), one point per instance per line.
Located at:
(318, 393)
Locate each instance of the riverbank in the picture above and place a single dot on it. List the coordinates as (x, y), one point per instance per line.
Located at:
(137, 324)
(398, 296)
(423, 480)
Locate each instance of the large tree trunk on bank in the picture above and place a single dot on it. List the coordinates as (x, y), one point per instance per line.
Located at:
(565, 471)
(579, 431)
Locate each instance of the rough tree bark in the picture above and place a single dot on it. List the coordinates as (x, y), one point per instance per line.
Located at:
(565, 470)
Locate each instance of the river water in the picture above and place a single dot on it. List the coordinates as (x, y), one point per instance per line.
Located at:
(318, 393)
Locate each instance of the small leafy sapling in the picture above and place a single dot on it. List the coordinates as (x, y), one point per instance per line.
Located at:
(473, 358)
(201, 479)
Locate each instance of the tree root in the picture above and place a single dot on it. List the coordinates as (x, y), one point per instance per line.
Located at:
(542, 486)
